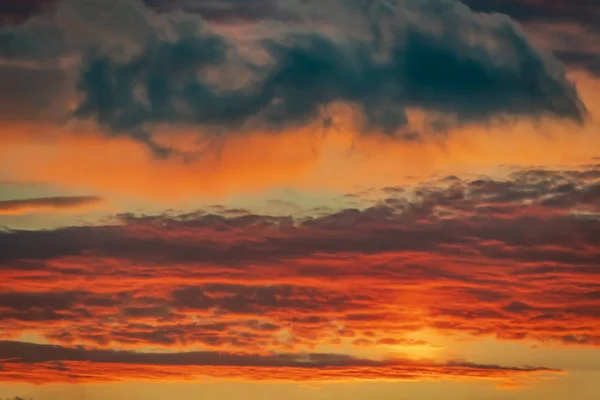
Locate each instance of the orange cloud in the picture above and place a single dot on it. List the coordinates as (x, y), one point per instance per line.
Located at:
(515, 258)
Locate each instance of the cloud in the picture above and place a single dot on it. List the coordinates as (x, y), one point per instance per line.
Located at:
(15, 11)
(28, 93)
(228, 11)
(515, 258)
(169, 68)
(572, 28)
(22, 206)
(222, 11)
(588, 60)
(305, 159)
(565, 11)
(45, 363)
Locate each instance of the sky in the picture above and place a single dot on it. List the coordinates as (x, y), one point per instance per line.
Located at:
(257, 199)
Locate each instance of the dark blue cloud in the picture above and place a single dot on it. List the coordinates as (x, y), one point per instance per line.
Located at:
(585, 12)
(227, 11)
(223, 11)
(434, 55)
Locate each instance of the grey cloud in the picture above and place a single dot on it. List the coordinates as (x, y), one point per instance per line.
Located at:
(555, 15)
(135, 76)
(566, 11)
(228, 11)
(222, 11)
(29, 93)
(588, 60)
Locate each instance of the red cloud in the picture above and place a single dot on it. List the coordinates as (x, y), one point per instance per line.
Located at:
(517, 259)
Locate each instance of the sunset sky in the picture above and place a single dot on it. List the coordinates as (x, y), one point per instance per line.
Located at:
(300, 199)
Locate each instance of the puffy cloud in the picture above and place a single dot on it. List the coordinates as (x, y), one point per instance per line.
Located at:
(140, 69)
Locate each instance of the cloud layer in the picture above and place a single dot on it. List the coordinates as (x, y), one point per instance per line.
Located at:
(515, 258)
(139, 69)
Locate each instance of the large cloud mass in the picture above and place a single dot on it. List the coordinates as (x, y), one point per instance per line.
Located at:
(136, 68)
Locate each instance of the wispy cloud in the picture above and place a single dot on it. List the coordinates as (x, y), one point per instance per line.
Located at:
(572, 28)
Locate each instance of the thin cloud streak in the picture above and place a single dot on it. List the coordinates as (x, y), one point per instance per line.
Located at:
(61, 203)
(51, 364)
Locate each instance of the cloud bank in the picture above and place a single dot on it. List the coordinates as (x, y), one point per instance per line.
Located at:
(134, 69)
(516, 259)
